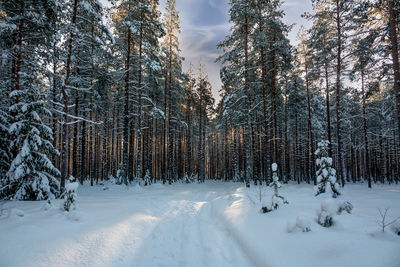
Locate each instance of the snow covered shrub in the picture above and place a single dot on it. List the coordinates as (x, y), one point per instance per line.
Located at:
(236, 176)
(48, 205)
(326, 175)
(396, 227)
(345, 206)
(300, 223)
(112, 180)
(189, 178)
(303, 224)
(290, 227)
(147, 178)
(325, 213)
(16, 213)
(325, 219)
(3, 210)
(69, 196)
(265, 209)
(119, 177)
(276, 198)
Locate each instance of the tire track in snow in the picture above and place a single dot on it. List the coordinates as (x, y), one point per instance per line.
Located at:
(235, 237)
(187, 235)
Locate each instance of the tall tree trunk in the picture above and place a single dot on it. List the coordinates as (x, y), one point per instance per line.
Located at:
(54, 98)
(395, 57)
(169, 126)
(189, 136)
(200, 144)
(310, 132)
(267, 152)
(366, 147)
(247, 93)
(64, 152)
(328, 108)
(338, 104)
(140, 115)
(126, 111)
(83, 148)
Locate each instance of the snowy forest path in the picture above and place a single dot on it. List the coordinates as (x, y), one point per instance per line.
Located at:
(180, 225)
(188, 234)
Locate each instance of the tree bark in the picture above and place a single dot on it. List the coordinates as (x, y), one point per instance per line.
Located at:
(338, 104)
(126, 111)
(247, 94)
(395, 58)
(64, 151)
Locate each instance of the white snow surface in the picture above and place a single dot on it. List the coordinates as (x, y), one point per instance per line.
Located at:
(211, 224)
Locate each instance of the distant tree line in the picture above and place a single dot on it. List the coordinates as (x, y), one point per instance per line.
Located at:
(94, 92)
(340, 83)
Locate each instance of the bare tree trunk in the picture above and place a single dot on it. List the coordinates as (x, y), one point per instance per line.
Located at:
(200, 144)
(189, 136)
(366, 147)
(169, 126)
(75, 157)
(126, 112)
(83, 148)
(65, 98)
(267, 152)
(395, 57)
(338, 106)
(328, 109)
(140, 115)
(310, 132)
(247, 93)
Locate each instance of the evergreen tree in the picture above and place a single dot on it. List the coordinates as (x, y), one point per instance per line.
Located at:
(276, 184)
(69, 196)
(31, 175)
(172, 69)
(326, 175)
(205, 103)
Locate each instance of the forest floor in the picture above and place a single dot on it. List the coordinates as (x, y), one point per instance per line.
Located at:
(211, 224)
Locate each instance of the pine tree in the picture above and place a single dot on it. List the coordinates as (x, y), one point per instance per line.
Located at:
(237, 48)
(205, 103)
(149, 66)
(304, 62)
(172, 64)
(393, 33)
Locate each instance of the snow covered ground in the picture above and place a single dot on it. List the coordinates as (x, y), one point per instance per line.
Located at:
(212, 224)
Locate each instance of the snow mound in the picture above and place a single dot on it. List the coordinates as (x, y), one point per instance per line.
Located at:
(15, 213)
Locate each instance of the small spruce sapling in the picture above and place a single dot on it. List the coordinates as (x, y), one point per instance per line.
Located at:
(326, 175)
(325, 213)
(147, 178)
(276, 198)
(345, 206)
(189, 178)
(70, 197)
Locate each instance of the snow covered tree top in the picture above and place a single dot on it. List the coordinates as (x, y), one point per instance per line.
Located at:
(274, 167)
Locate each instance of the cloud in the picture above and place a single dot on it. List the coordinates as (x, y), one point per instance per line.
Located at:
(204, 23)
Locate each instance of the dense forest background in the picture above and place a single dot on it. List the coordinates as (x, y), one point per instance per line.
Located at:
(95, 93)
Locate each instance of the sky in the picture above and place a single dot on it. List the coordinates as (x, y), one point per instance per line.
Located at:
(204, 23)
